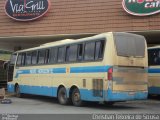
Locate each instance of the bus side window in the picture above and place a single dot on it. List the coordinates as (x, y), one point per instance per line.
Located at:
(41, 56)
(23, 59)
(89, 51)
(61, 54)
(67, 53)
(19, 60)
(71, 53)
(53, 55)
(99, 50)
(80, 52)
(28, 58)
(34, 57)
(47, 55)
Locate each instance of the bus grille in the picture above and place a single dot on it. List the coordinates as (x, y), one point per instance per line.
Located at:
(98, 87)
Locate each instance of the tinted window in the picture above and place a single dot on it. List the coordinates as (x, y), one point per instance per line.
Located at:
(53, 55)
(80, 52)
(23, 59)
(28, 58)
(41, 56)
(129, 45)
(89, 51)
(19, 59)
(61, 54)
(99, 50)
(47, 55)
(34, 57)
(71, 53)
(154, 57)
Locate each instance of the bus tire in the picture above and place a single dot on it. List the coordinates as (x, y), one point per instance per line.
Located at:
(17, 91)
(62, 96)
(76, 98)
(109, 103)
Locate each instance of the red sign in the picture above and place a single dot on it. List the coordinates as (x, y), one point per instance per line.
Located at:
(26, 10)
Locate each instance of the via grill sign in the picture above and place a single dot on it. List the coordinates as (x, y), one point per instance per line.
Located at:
(26, 10)
(141, 7)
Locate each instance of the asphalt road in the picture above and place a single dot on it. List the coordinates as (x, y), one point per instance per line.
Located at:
(46, 105)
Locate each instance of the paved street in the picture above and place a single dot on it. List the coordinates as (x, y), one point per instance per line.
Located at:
(46, 105)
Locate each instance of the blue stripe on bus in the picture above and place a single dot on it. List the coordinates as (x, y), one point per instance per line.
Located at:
(90, 69)
(86, 94)
(41, 71)
(154, 70)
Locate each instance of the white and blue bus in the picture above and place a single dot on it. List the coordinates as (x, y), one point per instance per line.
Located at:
(154, 70)
(108, 67)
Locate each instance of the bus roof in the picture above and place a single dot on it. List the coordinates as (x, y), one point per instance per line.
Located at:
(67, 41)
(154, 47)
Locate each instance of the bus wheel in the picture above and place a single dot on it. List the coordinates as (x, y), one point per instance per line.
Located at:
(76, 98)
(109, 103)
(62, 96)
(17, 91)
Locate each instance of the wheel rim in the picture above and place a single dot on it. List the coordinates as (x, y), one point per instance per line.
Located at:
(63, 96)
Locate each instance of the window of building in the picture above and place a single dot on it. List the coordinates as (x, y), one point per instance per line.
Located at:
(89, 51)
(34, 57)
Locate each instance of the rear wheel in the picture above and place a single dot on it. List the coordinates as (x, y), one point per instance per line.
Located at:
(62, 96)
(76, 98)
(109, 103)
(17, 91)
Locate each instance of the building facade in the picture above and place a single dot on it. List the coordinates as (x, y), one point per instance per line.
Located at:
(75, 19)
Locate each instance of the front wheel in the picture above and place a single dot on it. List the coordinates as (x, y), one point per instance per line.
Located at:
(76, 98)
(17, 91)
(62, 96)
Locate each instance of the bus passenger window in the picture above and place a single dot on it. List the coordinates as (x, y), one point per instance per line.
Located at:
(28, 58)
(41, 56)
(34, 57)
(80, 52)
(53, 55)
(67, 53)
(73, 53)
(19, 60)
(47, 53)
(89, 51)
(23, 59)
(99, 50)
(61, 54)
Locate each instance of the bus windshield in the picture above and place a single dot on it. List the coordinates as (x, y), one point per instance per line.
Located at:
(129, 45)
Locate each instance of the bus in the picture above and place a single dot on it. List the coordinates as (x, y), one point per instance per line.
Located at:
(107, 68)
(154, 70)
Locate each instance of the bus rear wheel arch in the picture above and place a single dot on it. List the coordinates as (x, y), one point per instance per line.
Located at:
(62, 96)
